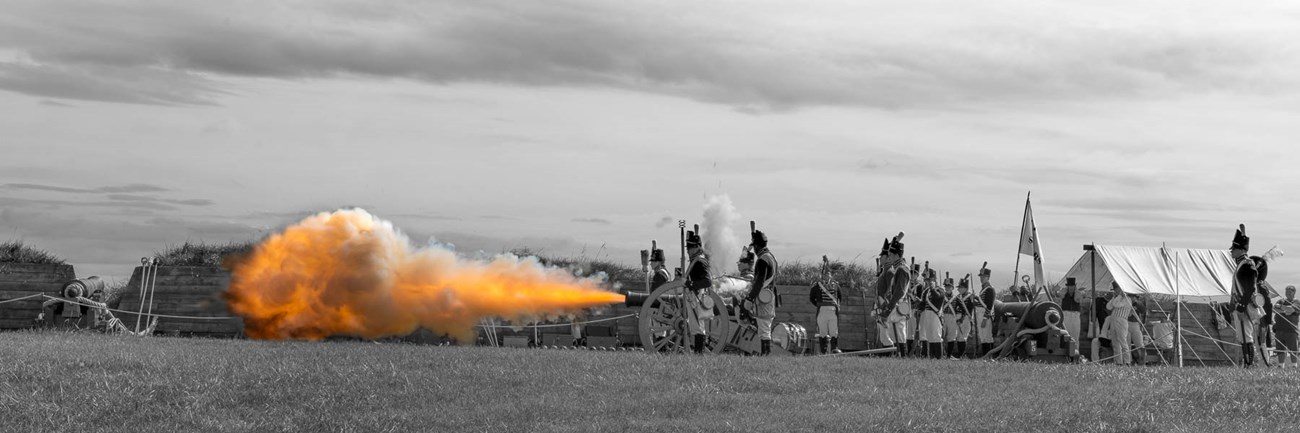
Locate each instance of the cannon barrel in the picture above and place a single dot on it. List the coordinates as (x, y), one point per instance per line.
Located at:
(636, 299)
(1042, 313)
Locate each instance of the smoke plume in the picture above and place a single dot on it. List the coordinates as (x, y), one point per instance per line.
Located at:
(349, 273)
(720, 241)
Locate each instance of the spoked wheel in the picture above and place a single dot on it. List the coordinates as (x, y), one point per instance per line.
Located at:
(663, 321)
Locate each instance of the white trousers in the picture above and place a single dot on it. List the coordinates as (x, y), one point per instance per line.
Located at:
(894, 329)
(764, 328)
(1118, 332)
(1072, 324)
(1244, 326)
(930, 328)
(954, 330)
(985, 330)
(828, 321)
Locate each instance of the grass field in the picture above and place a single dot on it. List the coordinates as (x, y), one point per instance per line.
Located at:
(53, 381)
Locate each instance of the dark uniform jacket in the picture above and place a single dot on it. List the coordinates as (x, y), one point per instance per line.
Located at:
(698, 276)
(1068, 303)
(962, 305)
(987, 296)
(1243, 288)
(659, 277)
(825, 294)
(892, 287)
(934, 300)
(764, 273)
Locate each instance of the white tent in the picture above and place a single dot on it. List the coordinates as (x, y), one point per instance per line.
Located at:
(1203, 276)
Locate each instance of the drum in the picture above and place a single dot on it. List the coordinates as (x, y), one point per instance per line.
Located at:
(790, 336)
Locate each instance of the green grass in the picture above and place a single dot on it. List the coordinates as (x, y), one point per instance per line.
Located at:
(53, 381)
(202, 254)
(17, 252)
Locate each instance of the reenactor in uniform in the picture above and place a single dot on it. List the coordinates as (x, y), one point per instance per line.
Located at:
(1071, 300)
(659, 272)
(931, 334)
(1284, 328)
(891, 291)
(825, 295)
(914, 307)
(1244, 282)
(984, 311)
(1263, 297)
(763, 291)
(957, 330)
(699, 282)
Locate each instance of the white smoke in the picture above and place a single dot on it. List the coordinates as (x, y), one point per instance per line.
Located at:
(720, 241)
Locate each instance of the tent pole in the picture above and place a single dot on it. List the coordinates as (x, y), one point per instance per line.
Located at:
(1178, 313)
(1092, 263)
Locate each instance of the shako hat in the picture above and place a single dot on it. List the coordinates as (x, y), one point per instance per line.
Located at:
(692, 239)
(657, 255)
(1240, 240)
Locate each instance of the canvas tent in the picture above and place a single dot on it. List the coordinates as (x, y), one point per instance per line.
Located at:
(1199, 276)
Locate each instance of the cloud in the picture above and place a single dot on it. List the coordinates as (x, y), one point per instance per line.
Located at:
(147, 199)
(600, 221)
(755, 56)
(664, 222)
(130, 188)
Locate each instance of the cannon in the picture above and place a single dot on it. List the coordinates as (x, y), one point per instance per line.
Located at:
(1032, 331)
(662, 321)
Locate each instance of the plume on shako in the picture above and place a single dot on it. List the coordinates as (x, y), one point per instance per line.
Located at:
(349, 273)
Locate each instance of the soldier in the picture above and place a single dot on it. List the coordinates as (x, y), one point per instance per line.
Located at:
(958, 331)
(1121, 308)
(984, 311)
(891, 291)
(1245, 279)
(931, 327)
(699, 281)
(763, 292)
(1263, 297)
(1070, 302)
(825, 295)
(659, 272)
(1284, 327)
(914, 307)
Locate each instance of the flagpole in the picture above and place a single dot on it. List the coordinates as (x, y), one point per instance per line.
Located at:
(1019, 240)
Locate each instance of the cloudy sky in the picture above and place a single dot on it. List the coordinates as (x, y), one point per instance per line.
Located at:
(578, 127)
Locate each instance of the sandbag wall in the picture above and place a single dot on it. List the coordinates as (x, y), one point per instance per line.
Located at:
(23, 279)
(192, 291)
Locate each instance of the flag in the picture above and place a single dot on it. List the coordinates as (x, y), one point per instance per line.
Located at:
(1030, 245)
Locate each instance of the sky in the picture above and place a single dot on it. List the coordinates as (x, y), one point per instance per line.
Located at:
(588, 128)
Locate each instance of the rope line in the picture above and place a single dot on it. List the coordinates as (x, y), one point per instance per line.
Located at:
(6, 301)
(169, 316)
(556, 325)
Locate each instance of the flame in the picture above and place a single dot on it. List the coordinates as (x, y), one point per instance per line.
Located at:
(349, 273)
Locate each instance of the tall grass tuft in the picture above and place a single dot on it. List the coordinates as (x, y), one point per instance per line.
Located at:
(17, 252)
(202, 254)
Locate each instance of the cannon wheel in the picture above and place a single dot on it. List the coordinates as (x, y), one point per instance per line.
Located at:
(662, 322)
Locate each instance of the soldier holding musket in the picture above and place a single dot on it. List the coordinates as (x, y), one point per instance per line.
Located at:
(984, 311)
(957, 329)
(1244, 282)
(763, 292)
(699, 281)
(891, 292)
(933, 301)
(825, 295)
